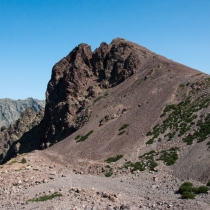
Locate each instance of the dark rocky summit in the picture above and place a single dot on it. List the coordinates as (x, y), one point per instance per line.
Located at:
(10, 110)
(82, 76)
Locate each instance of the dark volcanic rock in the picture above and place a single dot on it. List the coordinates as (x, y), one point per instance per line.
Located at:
(10, 110)
(23, 136)
(79, 77)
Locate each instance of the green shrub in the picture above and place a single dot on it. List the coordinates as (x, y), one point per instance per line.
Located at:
(181, 86)
(121, 133)
(188, 195)
(188, 191)
(201, 189)
(123, 127)
(46, 197)
(151, 141)
(106, 94)
(185, 187)
(169, 157)
(113, 159)
(77, 137)
(97, 99)
(108, 174)
(208, 183)
(23, 161)
(83, 138)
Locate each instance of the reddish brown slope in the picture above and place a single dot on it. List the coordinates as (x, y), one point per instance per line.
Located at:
(125, 84)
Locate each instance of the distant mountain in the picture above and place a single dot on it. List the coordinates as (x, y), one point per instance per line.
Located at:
(10, 110)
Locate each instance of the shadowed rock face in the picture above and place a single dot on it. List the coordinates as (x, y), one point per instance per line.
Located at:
(23, 136)
(79, 77)
(10, 110)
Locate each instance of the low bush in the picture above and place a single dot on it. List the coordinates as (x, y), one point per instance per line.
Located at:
(23, 161)
(121, 133)
(123, 127)
(46, 197)
(113, 159)
(83, 138)
(188, 191)
(188, 195)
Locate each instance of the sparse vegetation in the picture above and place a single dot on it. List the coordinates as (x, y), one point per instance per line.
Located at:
(106, 94)
(121, 132)
(208, 183)
(23, 161)
(12, 162)
(151, 141)
(181, 86)
(77, 137)
(169, 157)
(113, 159)
(97, 99)
(109, 172)
(46, 197)
(188, 191)
(180, 119)
(123, 127)
(83, 138)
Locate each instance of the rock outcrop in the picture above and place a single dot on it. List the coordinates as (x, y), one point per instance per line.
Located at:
(23, 136)
(10, 110)
(79, 78)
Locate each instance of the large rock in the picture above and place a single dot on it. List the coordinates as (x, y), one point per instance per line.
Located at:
(79, 77)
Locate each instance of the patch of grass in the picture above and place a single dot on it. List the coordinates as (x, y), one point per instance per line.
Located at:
(97, 99)
(201, 189)
(83, 138)
(1, 166)
(15, 184)
(35, 169)
(77, 137)
(169, 157)
(106, 94)
(181, 86)
(180, 120)
(151, 141)
(46, 197)
(23, 161)
(121, 133)
(188, 195)
(108, 174)
(123, 127)
(12, 162)
(188, 191)
(113, 159)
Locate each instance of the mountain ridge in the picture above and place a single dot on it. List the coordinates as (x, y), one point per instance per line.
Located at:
(10, 110)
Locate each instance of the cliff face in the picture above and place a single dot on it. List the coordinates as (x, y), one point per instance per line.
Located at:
(10, 110)
(80, 77)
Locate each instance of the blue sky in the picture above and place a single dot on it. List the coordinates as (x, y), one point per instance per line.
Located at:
(35, 34)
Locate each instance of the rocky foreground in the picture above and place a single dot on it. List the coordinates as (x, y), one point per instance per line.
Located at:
(28, 179)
